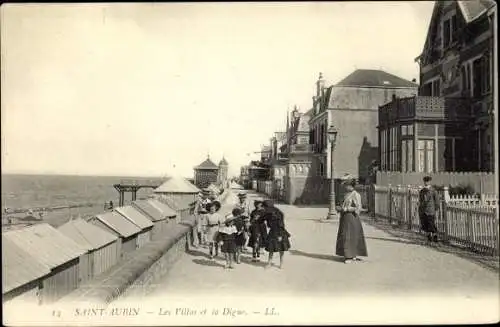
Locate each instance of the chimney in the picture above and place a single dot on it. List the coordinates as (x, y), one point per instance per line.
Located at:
(320, 85)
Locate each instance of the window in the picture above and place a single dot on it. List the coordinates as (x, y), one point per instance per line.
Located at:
(432, 88)
(393, 149)
(485, 80)
(425, 152)
(406, 130)
(436, 88)
(407, 155)
(449, 31)
(454, 28)
(426, 89)
(446, 33)
(390, 150)
(477, 77)
(430, 156)
(465, 77)
(383, 147)
(321, 169)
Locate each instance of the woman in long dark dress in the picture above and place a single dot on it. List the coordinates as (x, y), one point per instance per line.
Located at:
(350, 237)
(278, 237)
(258, 230)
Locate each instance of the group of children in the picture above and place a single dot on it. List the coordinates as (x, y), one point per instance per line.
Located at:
(263, 227)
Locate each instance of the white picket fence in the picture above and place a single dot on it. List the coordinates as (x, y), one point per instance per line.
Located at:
(471, 221)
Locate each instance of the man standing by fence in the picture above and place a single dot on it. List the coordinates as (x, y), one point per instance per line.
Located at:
(428, 209)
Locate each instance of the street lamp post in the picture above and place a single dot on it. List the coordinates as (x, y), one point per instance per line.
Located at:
(332, 137)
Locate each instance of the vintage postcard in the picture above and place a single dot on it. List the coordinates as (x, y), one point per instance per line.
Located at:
(253, 163)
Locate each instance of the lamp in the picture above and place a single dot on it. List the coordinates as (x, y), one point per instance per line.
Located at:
(332, 138)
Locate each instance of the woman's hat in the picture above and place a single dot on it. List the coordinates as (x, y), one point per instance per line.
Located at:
(268, 203)
(213, 203)
(348, 179)
(258, 201)
(236, 212)
(242, 195)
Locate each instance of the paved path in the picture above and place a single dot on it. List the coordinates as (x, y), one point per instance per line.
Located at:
(395, 268)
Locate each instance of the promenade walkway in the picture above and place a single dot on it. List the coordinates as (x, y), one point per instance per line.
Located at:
(395, 269)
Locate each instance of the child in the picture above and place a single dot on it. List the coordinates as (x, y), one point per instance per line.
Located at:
(258, 230)
(226, 236)
(240, 239)
(213, 223)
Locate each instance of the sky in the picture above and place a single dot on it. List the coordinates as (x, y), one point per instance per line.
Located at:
(152, 89)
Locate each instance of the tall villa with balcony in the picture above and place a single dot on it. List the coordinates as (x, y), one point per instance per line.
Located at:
(449, 126)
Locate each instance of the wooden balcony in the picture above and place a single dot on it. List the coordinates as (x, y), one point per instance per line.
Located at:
(425, 107)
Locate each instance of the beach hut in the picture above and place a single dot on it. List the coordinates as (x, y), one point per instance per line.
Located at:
(22, 276)
(177, 192)
(67, 261)
(103, 246)
(158, 212)
(120, 226)
(140, 220)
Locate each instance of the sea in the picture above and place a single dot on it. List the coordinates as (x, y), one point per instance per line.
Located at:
(47, 191)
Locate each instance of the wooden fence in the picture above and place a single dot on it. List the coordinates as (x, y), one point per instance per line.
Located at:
(464, 220)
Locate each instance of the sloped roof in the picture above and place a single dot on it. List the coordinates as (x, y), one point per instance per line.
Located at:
(152, 211)
(87, 235)
(18, 266)
(118, 223)
(45, 243)
(165, 209)
(223, 162)
(135, 216)
(178, 204)
(175, 184)
(374, 78)
(473, 9)
(207, 164)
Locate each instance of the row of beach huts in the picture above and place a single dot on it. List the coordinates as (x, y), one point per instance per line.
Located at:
(41, 263)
